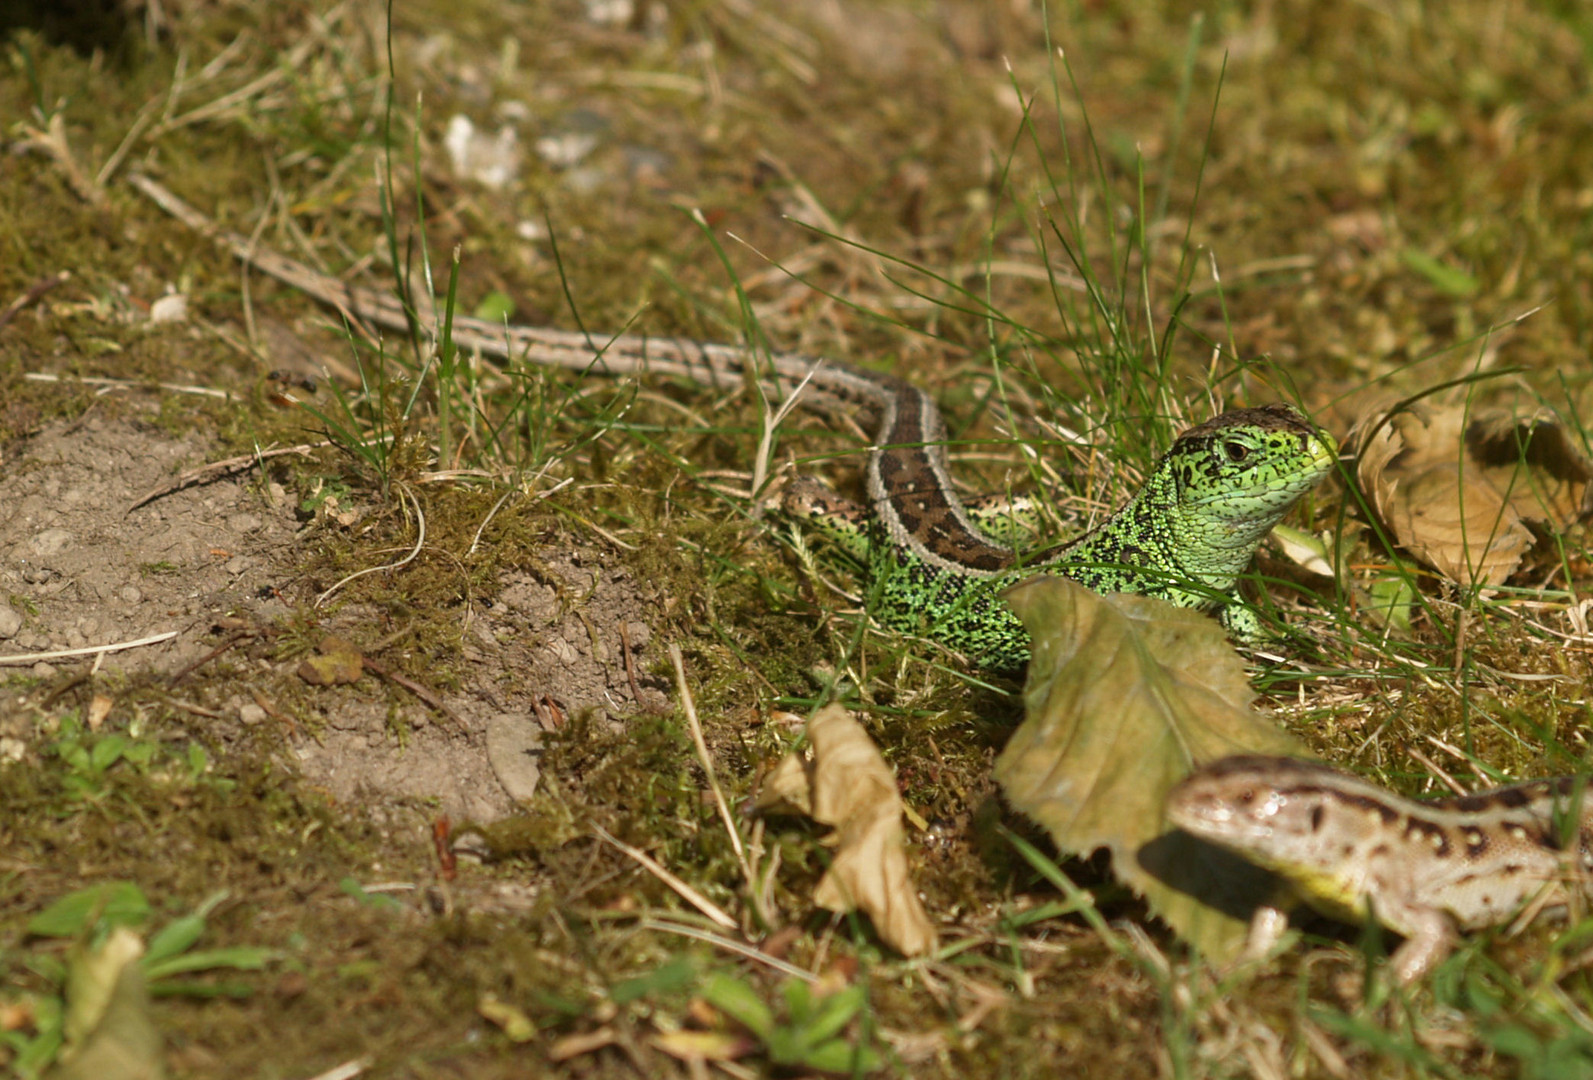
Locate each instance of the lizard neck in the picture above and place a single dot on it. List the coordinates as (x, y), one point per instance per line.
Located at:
(1152, 542)
(911, 490)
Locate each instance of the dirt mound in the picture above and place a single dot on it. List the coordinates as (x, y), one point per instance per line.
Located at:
(80, 569)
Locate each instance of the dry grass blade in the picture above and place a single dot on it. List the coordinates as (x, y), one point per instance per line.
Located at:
(420, 542)
(681, 889)
(740, 948)
(346, 1071)
(707, 761)
(87, 650)
(129, 384)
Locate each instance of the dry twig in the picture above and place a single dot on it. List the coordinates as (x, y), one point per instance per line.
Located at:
(217, 469)
(36, 290)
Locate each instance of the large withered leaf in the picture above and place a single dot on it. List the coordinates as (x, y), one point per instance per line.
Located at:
(1536, 462)
(1458, 493)
(847, 784)
(1125, 695)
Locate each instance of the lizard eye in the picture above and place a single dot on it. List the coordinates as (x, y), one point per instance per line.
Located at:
(1236, 451)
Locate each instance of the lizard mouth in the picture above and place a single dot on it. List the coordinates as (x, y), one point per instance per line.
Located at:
(1324, 450)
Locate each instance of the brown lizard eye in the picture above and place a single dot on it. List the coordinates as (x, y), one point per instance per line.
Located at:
(1236, 451)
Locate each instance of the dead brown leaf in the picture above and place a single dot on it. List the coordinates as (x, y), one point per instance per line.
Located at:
(339, 663)
(1458, 493)
(845, 783)
(511, 1018)
(99, 708)
(1125, 695)
(107, 1026)
(1536, 461)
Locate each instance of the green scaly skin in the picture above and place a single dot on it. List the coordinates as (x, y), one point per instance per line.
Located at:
(1185, 537)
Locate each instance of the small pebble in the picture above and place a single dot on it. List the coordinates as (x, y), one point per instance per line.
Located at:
(50, 541)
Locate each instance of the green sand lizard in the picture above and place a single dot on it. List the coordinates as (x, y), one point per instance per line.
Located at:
(1423, 869)
(1186, 536)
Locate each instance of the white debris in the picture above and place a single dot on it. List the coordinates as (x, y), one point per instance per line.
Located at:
(566, 150)
(616, 14)
(493, 161)
(173, 307)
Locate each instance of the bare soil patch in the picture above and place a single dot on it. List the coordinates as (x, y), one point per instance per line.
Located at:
(80, 570)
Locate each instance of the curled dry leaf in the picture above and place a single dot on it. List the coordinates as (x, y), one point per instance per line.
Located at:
(845, 783)
(107, 1026)
(1458, 495)
(1536, 462)
(1125, 695)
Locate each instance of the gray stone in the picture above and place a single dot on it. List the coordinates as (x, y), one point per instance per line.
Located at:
(50, 541)
(514, 749)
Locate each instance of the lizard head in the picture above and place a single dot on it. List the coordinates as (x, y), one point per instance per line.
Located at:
(1272, 810)
(1299, 819)
(1233, 477)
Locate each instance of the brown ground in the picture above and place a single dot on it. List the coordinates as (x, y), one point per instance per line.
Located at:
(215, 557)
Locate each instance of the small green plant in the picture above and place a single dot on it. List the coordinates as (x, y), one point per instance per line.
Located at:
(325, 492)
(104, 922)
(810, 1034)
(89, 757)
